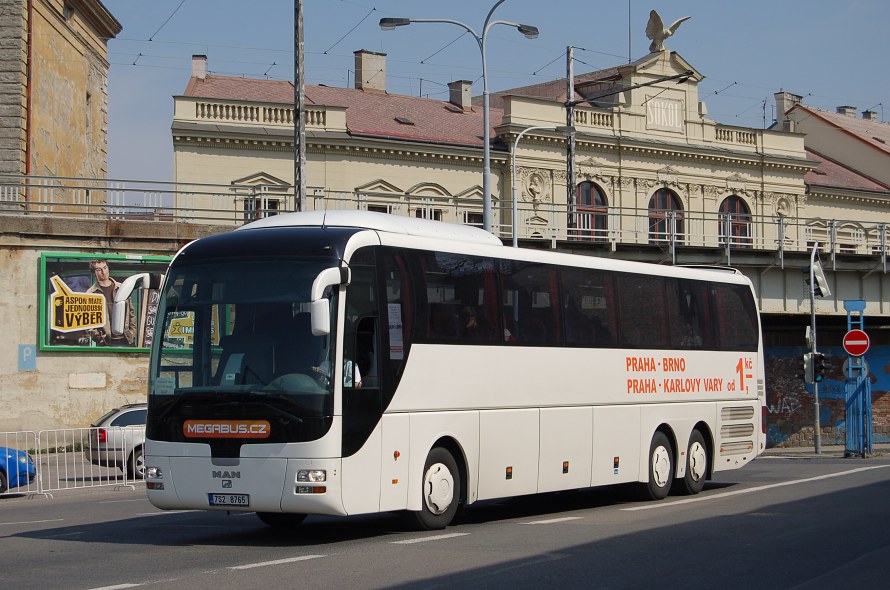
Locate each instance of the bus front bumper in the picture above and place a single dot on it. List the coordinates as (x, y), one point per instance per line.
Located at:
(308, 486)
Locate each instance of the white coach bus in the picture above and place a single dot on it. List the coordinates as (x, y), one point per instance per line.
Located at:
(350, 362)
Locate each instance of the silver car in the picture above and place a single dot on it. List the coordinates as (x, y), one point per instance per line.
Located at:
(117, 440)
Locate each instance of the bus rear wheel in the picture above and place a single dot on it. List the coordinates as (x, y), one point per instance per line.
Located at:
(661, 468)
(440, 491)
(696, 465)
(281, 520)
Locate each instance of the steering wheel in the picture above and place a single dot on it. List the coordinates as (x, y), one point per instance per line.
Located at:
(319, 377)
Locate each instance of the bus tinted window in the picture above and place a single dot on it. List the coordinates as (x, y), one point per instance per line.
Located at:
(736, 317)
(689, 314)
(589, 307)
(530, 310)
(642, 312)
(460, 298)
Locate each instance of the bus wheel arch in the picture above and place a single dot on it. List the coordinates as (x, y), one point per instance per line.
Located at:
(442, 485)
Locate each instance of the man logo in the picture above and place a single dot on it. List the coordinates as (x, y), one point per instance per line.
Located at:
(226, 483)
(226, 475)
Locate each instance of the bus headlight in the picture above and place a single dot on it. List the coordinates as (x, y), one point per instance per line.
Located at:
(154, 473)
(312, 475)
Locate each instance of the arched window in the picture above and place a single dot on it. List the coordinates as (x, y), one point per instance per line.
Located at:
(591, 221)
(665, 217)
(735, 221)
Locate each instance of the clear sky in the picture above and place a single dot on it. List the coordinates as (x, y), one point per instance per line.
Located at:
(829, 51)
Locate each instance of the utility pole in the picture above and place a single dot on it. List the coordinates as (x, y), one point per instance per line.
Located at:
(299, 120)
(817, 427)
(570, 136)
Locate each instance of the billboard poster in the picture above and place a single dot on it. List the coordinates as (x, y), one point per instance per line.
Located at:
(76, 308)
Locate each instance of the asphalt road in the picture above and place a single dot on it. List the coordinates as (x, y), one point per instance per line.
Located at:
(800, 522)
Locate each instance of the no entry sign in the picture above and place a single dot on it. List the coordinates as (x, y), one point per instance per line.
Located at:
(856, 342)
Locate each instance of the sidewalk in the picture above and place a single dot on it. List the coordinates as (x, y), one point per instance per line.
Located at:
(828, 451)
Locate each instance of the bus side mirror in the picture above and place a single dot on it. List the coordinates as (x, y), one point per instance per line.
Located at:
(142, 280)
(321, 317)
(319, 306)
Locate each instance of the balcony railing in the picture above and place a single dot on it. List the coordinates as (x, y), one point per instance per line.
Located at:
(725, 235)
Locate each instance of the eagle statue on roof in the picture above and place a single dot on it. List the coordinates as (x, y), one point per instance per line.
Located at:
(655, 30)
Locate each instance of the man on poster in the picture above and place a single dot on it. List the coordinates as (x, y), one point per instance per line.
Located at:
(107, 286)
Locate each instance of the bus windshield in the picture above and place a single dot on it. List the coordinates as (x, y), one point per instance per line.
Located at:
(234, 338)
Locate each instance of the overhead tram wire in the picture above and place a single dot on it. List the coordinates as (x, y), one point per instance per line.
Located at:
(446, 46)
(164, 24)
(370, 12)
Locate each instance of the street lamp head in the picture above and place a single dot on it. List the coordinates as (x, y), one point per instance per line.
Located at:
(530, 31)
(388, 24)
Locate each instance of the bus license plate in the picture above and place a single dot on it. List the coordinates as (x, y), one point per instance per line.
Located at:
(229, 499)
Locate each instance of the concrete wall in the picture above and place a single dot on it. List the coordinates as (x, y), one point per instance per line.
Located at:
(68, 389)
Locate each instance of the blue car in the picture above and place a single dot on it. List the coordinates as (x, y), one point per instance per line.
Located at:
(16, 469)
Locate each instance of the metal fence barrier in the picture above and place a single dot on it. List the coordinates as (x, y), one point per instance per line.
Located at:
(40, 463)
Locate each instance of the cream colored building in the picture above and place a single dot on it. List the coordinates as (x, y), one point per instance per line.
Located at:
(411, 154)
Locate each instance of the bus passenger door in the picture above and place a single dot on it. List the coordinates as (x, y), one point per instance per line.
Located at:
(361, 408)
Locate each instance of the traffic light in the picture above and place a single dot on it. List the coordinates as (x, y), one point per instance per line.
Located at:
(819, 285)
(818, 367)
(808, 367)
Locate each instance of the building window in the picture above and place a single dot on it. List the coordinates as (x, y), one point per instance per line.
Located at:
(473, 218)
(379, 208)
(428, 213)
(591, 220)
(665, 217)
(735, 222)
(260, 207)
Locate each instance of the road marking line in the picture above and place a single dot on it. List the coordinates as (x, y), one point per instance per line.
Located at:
(33, 521)
(121, 501)
(162, 512)
(274, 562)
(553, 520)
(424, 539)
(755, 489)
(118, 587)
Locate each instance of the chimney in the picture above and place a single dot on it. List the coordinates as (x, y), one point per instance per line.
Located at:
(785, 101)
(846, 111)
(870, 115)
(370, 70)
(459, 94)
(199, 67)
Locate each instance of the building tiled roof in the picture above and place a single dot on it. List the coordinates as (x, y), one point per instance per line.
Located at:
(874, 133)
(553, 90)
(834, 175)
(368, 113)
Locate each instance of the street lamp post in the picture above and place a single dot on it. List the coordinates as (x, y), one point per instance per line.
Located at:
(531, 32)
(514, 190)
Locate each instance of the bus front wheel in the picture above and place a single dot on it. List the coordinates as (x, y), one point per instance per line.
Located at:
(661, 468)
(440, 492)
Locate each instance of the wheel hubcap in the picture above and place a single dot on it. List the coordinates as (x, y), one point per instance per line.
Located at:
(661, 466)
(698, 460)
(438, 488)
